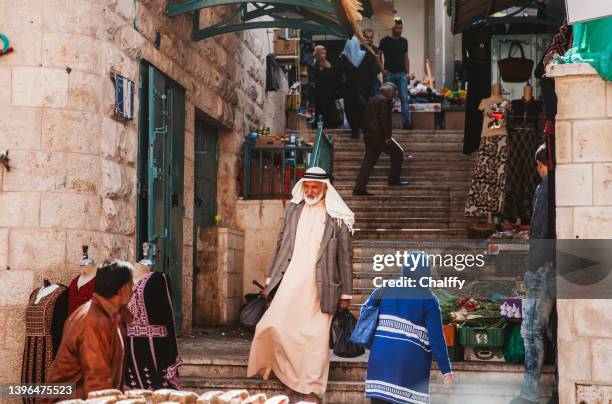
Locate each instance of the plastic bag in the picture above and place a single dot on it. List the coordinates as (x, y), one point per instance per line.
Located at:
(253, 311)
(514, 352)
(343, 347)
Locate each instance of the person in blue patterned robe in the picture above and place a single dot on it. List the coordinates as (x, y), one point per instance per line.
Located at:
(409, 331)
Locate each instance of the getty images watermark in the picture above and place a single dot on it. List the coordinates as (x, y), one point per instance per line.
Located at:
(411, 261)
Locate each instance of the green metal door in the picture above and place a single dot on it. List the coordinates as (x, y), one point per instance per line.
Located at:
(161, 160)
(206, 158)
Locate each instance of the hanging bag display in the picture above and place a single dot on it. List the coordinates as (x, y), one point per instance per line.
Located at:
(364, 331)
(515, 69)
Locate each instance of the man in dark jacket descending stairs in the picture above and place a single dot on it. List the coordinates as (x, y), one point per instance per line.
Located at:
(377, 129)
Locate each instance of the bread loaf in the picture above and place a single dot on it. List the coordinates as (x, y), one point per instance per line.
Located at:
(255, 399)
(139, 400)
(104, 393)
(210, 397)
(105, 400)
(183, 397)
(71, 401)
(233, 397)
(159, 396)
(146, 394)
(280, 399)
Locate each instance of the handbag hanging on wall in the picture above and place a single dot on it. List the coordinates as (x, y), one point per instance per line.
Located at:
(515, 69)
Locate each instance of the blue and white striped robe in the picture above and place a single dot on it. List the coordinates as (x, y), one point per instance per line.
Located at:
(409, 331)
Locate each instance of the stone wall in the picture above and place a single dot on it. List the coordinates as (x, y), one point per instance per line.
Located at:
(261, 221)
(73, 176)
(584, 211)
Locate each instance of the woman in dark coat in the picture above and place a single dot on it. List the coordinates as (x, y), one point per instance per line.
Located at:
(326, 82)
(408, 334)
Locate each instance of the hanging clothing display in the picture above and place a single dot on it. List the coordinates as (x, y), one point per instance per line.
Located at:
(151, 349)
(488, 188)
(44, 322)
(78, 296)
(523, 141)
(477, 62)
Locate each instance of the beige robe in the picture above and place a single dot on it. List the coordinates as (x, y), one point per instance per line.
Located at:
(292, 337)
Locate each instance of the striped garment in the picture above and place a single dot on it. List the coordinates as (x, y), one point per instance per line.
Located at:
(409, 332)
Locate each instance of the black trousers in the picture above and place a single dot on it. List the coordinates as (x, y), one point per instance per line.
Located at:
(354, 107)
(373, 148)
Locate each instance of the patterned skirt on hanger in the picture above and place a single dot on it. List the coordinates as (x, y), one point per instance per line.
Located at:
(488, 189)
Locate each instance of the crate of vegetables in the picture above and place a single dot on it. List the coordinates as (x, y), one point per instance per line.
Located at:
(489, 336)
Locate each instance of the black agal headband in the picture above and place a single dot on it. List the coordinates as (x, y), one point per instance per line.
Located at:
(315, 176)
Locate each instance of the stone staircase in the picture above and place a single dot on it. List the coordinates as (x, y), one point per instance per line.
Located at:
(430, 207)
(426, 214)
(218, 359)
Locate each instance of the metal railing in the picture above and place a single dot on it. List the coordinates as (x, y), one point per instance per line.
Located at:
(271, 172)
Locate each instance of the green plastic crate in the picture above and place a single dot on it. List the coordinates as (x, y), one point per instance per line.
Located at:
(481, 336)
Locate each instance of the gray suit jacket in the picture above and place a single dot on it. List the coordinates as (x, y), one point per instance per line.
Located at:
(334, 265)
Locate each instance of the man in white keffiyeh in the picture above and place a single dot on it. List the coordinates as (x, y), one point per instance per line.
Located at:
(311, 277)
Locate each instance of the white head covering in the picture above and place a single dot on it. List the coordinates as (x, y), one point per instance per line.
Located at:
(334, 204)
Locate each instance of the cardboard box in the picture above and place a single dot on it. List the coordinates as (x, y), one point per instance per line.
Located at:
(282, 47)
(483, 354)
(450, 334)
(454, 120)
(423, 120)
(268, 141)
(426, 107)
(397, 121)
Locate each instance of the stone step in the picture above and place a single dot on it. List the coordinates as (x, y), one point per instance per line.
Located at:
(401, 222)
(415, 159)
(408, 172)
(401, 211)
(409, 153)
(379, 189)
(410, 234)
(448, 179)
(354, 370)
(392, 201)
(422, 135)
(337, 392)
(414, 148)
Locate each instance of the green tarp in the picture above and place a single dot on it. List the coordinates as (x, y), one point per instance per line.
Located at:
(593, 44)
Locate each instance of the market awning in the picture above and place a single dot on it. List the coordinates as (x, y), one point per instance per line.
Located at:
(334, 17)
(465, 13)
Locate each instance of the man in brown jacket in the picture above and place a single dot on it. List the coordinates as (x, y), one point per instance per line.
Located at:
(377, 130)
(91, 352)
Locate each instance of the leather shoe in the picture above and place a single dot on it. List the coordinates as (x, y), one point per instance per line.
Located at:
(398, 183)
(358, 192)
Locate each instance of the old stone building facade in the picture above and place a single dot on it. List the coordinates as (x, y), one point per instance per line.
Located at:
(584, 211)
(74, 166)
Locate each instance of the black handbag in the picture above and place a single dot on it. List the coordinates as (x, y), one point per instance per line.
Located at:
(515, 70)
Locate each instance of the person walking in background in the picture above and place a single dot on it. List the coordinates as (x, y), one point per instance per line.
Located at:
(409, 331)
(368, 35)
(91, 353)
(540, 283)
(326, 89)
(377, 139)
(358, 68)
(394, 50)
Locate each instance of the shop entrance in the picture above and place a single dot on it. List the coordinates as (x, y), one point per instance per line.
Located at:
(160, 176)
(206, 159)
